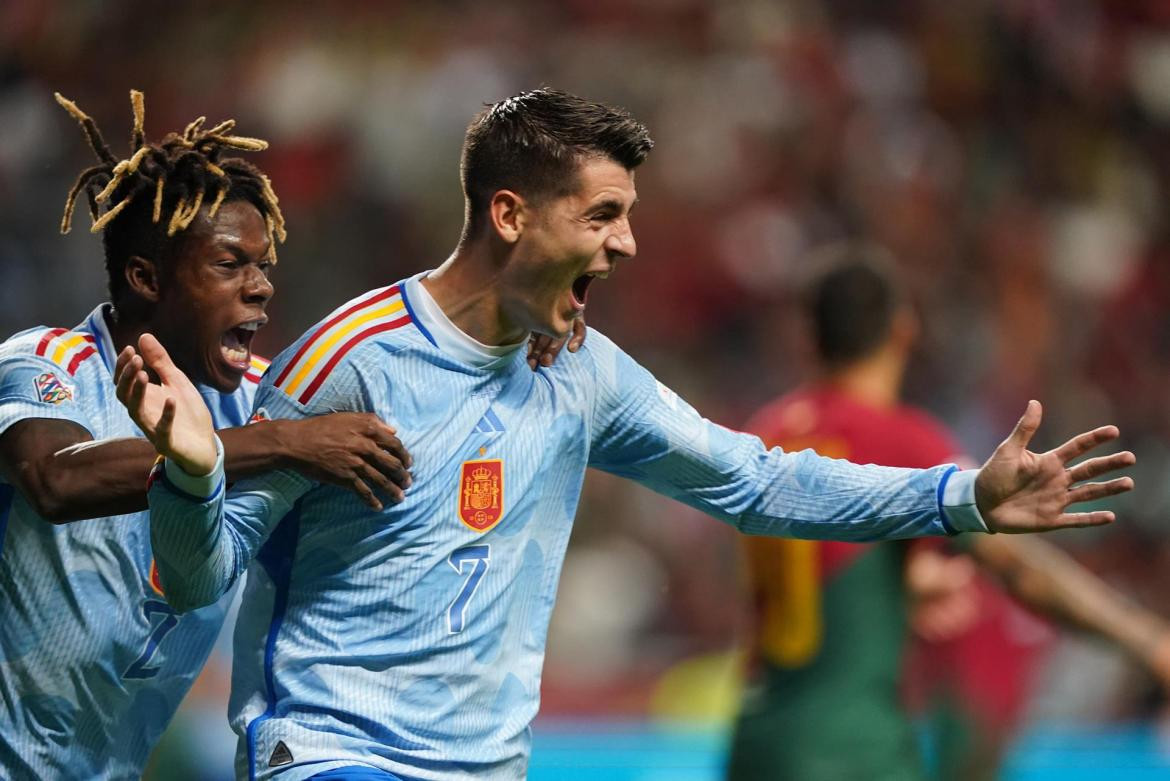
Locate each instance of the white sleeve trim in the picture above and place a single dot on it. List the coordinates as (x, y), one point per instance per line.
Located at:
(959, 502)
(198, 485)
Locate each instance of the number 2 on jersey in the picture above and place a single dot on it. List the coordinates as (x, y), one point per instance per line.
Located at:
(472, 561)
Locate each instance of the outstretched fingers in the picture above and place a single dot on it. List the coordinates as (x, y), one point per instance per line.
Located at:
(1095, 467)
(1026, 426)
(1073, 520)
(1093, 491)
(1083, 443)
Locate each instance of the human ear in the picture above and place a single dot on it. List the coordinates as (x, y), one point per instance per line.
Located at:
(509, 214)
(142, 278)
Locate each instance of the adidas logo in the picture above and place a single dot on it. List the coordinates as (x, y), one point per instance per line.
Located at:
(280, 756)
(489, 424)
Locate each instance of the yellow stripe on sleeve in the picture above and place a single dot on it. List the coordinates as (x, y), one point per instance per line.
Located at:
(323, 350)
(63, 347)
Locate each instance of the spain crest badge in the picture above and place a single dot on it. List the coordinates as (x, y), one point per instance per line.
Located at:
(52, 390)
(481, 493)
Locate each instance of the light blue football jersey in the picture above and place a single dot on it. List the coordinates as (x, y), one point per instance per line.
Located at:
(412, 639)
(93, 661)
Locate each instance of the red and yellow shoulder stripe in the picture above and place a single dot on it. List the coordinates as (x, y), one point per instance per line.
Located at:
(256, 372)
(373, 313)
(66, 348)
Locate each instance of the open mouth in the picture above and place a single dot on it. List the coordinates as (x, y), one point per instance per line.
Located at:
(580, 288)
(236, 344)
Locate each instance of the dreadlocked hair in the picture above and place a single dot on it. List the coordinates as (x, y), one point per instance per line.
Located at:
(142, 205)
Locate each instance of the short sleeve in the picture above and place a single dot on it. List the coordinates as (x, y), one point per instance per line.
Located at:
(33, 387)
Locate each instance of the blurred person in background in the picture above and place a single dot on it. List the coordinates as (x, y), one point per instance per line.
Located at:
(831, 629)
(93, 662)
(408, 642)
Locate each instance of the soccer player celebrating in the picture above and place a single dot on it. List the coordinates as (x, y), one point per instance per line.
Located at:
(818, 602)
(93, 662)
(408, 643)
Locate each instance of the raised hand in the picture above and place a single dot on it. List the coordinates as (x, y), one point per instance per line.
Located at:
(1021, 491)
(171, 413)
(354, 450)
(543, 349)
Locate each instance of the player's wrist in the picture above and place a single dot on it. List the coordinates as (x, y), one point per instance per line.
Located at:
(958, 502)
(195, 478)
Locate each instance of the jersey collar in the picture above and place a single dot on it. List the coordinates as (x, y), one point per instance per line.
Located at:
(98, 324)
(448, 337)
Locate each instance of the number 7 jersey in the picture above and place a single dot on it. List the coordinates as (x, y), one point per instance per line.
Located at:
(412, 639)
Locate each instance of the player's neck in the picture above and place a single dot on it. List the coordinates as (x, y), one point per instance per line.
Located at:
(466, 288)
(875, 381)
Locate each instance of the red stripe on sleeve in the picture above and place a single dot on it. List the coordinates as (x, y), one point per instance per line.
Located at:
(49, 336)
(77, 359)
(337, 356)
(388, 293)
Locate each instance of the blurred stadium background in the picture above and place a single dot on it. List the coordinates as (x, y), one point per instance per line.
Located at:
(1013, 154)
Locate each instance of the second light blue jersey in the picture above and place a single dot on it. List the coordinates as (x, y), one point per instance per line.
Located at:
(93, 661)
(412, 639)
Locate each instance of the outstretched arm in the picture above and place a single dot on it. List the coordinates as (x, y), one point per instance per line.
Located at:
(643, 431)
(1049, 581)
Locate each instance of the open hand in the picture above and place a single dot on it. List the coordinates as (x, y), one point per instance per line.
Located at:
(1021, 491)
(171, 413)
(543, 349)
(354, 450)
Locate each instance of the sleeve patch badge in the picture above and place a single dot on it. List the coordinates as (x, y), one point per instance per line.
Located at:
(52, 390)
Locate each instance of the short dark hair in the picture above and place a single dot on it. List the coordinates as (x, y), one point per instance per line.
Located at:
(533, 142)
(850, 297)
(153, 196)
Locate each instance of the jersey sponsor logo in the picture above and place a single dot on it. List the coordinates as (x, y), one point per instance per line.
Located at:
(489, 424)
(51, 389)
(481, 493)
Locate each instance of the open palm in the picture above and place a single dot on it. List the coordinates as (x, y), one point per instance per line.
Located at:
(1021, 491)
(171, 413)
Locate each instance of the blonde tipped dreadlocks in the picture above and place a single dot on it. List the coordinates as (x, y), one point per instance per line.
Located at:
(174, 175)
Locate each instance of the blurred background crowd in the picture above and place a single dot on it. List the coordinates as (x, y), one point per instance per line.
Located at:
(1012, 154)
